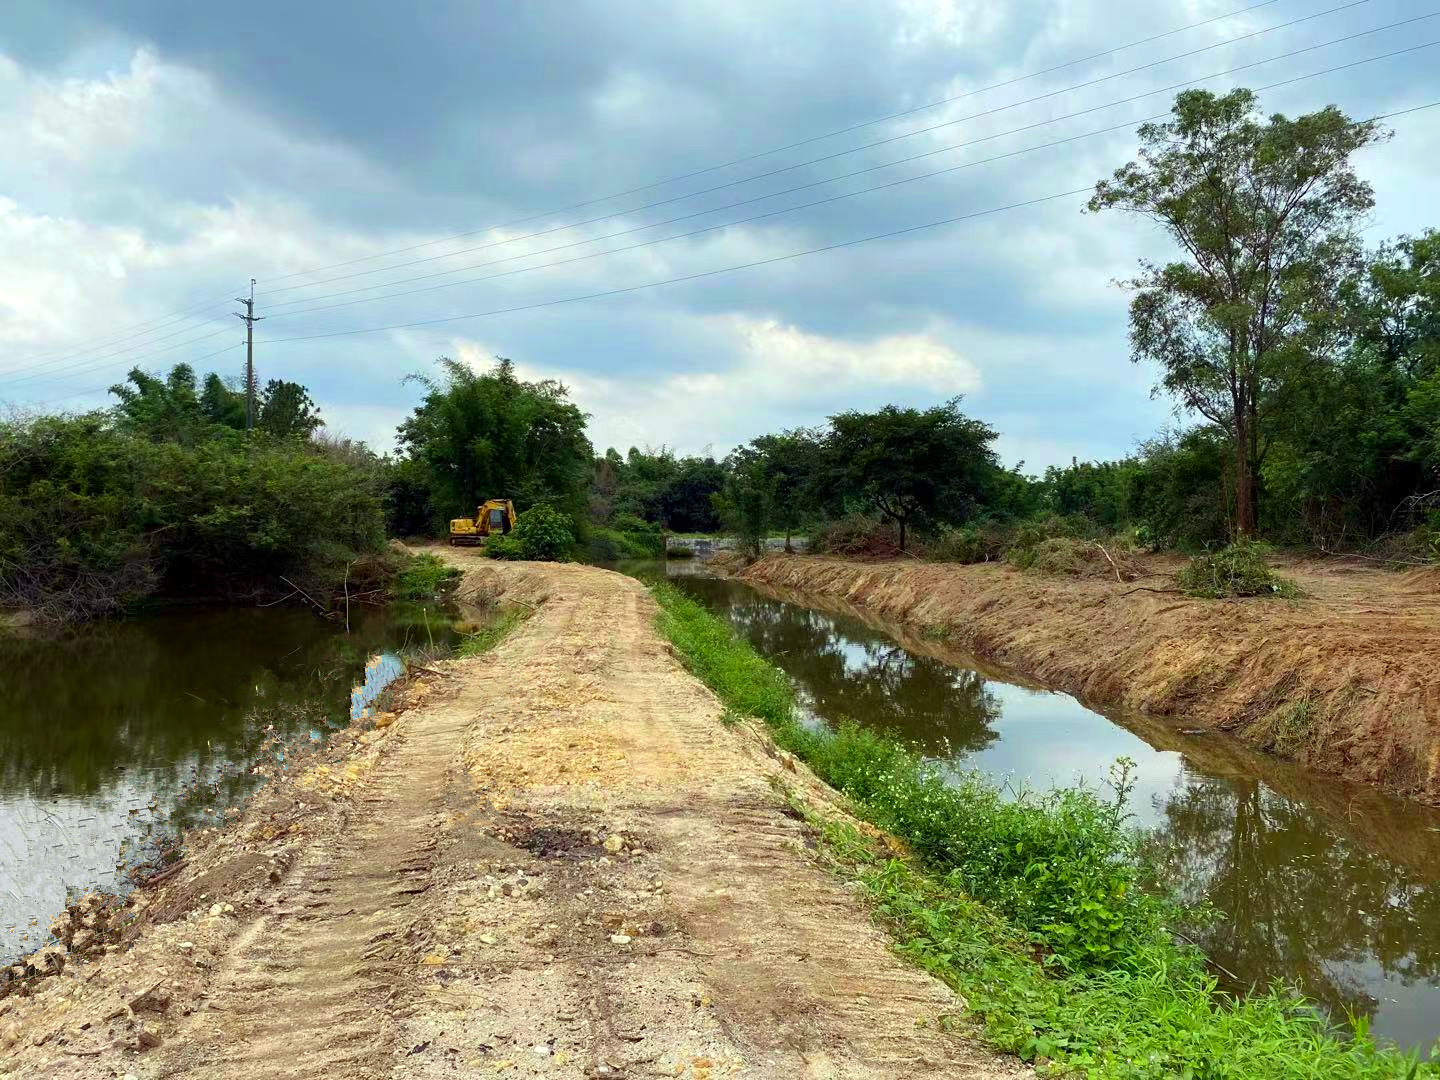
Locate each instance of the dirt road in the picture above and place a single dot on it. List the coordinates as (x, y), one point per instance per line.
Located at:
(560, 864)
(1344, 680)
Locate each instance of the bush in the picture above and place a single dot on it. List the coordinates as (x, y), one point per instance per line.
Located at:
(425, 577)
(541, 534)
(94, 516)
(987, 541)
(1237, 570)
(859, 536)
(611, 545)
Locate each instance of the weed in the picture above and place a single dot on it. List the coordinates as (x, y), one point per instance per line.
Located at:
(1291, 724)
(425, 577)
(486, 638)
(1237, 570)
(1038, 909)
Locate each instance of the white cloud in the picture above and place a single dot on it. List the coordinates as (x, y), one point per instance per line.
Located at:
(780, 376)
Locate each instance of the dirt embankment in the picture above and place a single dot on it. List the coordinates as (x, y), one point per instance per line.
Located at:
(556, 862)
(1346, 681)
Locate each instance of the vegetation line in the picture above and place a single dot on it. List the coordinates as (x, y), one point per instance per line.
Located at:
(1040, 910)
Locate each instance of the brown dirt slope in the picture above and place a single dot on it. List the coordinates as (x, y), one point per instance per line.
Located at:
(1346, 681)
(558, 864)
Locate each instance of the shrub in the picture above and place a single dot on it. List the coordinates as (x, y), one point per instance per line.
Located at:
(541, 534)
(425, 577)
(94, 516)
(859, 536)
(504, 547)
(1236, 570)
(987, 541)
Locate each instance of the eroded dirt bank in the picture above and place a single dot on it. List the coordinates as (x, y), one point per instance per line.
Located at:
(1345, 681)
(555, 862)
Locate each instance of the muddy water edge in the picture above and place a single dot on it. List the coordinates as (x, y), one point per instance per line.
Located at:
(1329, 886)
(117, 735)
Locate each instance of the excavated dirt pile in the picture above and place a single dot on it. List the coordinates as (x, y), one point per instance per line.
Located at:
(1346, 680)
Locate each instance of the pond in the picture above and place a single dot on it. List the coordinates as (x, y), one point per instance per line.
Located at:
(119, 732)
(1327, 885)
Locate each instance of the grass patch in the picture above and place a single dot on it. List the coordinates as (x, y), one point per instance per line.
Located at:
(1236, 570)
(1039, 910)
(609, 545)
(487, 637)
(425, 577)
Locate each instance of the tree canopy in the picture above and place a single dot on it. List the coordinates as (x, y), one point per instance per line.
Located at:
(1266, 212)
(487, 435)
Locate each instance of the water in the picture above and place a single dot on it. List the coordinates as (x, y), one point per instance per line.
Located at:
(118, 732)
(1329, 886)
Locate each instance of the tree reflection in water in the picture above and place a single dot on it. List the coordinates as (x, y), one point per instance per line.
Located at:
(1300, 901)
(847, 669)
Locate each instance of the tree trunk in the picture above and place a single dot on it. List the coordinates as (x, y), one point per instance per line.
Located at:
(1244, 479)
(902, 534)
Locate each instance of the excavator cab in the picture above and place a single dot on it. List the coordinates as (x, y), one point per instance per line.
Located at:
(494, 516)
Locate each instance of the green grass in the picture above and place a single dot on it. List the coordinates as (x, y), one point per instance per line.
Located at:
(1236, 570)
(612, 545)
(425, 577)
(1039, 910)
(487, 637)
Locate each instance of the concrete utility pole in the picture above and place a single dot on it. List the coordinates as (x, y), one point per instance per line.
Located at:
(250, 321)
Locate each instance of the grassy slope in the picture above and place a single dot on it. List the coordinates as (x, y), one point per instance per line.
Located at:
(1033, 912)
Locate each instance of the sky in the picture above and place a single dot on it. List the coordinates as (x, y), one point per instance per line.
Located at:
(155, 156)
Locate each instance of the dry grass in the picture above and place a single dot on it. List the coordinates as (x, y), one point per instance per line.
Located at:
(1362, 649)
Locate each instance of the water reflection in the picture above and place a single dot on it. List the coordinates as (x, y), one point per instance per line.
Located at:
(1329, 886)
(1355, 930)
(120, 727)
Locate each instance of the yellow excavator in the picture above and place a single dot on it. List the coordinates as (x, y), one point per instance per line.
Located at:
(491, 516)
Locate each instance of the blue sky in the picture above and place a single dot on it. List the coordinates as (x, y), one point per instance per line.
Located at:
(157, 155)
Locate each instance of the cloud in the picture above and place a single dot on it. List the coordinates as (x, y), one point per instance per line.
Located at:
(778, 376)
(159, 155)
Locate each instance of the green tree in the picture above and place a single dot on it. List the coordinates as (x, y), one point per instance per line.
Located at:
(794, 462)
(913, 465)
(165, 410)
(746, 501)
(286, 411)
(222, 404)
(486, 435)
(1266, 212)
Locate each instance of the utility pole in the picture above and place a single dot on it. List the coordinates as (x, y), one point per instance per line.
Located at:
(250, 321)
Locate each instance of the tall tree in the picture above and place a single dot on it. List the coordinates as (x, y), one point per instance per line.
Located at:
(286, 410)
(1266, 211)
(487, 435)
(793, 460)
(913, 465)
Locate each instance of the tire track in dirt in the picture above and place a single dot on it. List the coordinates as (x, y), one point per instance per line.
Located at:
(304, 991)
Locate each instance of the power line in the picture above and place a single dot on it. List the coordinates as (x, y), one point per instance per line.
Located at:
(891, 234)
(727, 269)
(781, 149)
(896, 138)
(801, 206)
(102, 362)
(123, 335)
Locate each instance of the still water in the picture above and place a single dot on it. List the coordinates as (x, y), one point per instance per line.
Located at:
(1329, 886)
(119, 732)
